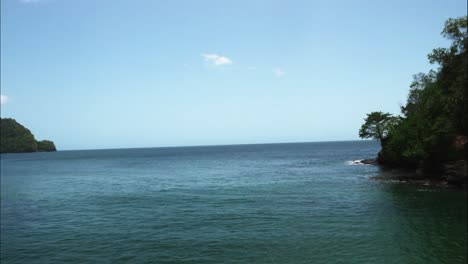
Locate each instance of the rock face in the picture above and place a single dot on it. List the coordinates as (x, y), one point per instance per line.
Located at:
(451, 173)
(14, 138)
(370, 161)
(456, 172)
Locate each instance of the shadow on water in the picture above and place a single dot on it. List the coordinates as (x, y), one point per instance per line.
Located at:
(430, 222)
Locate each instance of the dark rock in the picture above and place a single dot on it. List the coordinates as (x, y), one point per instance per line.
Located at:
(369, 161)
(456, 172)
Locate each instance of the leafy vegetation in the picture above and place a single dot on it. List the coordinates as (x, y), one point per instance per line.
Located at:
(16, 138)
(45, 145)
(378, 126)
(433, 127)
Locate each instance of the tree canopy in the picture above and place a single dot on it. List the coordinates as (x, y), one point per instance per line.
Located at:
(377, 125)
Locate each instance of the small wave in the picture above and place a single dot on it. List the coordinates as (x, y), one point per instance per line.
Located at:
(355, 162)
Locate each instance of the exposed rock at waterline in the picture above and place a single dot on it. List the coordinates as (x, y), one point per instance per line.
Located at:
(369, 161)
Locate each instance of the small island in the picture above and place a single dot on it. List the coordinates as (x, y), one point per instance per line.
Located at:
(15, 138)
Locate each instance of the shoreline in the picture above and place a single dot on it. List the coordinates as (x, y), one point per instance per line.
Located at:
(440, 184)
(419, 178)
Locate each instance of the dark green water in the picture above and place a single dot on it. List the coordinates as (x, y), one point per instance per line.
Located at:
(278, 203)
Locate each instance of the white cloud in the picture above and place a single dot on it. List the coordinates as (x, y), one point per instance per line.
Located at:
(279, 72)
(216, 59)
(4, 99)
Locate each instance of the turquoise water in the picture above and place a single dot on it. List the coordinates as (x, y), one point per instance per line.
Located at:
(275, 203)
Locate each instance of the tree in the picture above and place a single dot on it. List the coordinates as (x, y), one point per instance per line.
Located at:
(377, 125)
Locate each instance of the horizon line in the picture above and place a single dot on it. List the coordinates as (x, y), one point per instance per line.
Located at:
(214, 145)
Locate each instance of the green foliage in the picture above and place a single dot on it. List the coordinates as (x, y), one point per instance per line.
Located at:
(436, 109)
(377, 125)
(16, 138)
(45, 145)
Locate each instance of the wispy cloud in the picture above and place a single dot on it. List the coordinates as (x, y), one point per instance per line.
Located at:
(28, 1)
(4, 99)
(251, 68)
(279, 72)
(217, 60)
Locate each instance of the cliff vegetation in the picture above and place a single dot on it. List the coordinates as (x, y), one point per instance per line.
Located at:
(431, 134)
(14, 137)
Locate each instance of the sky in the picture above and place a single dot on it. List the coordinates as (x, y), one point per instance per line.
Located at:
(91, 74)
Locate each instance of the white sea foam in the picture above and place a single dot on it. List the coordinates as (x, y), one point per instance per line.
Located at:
(355, 162)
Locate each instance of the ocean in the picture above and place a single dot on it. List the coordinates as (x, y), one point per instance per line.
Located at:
(266, 203)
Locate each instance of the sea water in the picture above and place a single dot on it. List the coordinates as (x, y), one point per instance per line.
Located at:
(269, 203)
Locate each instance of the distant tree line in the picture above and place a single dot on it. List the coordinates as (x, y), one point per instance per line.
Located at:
(16, 138)
(433, 126)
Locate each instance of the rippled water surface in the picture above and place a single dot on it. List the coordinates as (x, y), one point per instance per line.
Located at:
(275, 203)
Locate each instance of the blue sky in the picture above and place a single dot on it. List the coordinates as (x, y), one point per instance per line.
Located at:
(115, 74)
